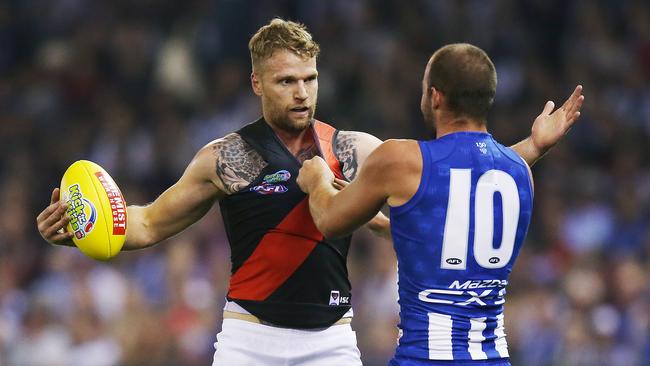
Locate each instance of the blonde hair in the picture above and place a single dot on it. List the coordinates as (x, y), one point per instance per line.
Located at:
(281, 34)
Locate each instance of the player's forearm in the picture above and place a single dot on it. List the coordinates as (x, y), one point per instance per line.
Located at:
(320, 199)
(528, 151)
(139, 233)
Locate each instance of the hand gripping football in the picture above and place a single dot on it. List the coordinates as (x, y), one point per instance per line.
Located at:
(96, 208)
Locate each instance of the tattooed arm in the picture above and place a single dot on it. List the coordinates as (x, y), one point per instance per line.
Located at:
(237, 163)
(218, 169)
(351, 149)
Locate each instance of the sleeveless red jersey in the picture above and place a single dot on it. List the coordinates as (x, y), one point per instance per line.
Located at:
(283, 270)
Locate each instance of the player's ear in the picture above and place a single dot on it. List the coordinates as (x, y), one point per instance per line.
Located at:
(436, 98)
(256, 84)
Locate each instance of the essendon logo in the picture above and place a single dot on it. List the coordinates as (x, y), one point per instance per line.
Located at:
(335, 297)
(118, 205)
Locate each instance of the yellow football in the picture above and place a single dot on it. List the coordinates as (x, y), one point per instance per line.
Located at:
(96, 208)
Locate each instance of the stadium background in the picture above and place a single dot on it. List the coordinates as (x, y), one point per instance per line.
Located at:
(139, 86)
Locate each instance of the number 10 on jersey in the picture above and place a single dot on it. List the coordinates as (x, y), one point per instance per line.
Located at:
(456, 237)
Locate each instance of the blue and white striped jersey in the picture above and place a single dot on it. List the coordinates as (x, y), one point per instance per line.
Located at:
(456, 242)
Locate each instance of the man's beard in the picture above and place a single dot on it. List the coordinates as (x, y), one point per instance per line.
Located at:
(285, 123)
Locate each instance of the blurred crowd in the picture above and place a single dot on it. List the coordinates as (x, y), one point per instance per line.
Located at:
(140, 86)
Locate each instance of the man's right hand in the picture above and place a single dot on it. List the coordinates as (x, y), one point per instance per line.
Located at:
(51, 222)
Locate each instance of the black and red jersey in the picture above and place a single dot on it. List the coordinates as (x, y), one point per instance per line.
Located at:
(283, 270)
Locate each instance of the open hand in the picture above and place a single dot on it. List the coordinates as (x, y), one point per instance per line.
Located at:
(549, 128)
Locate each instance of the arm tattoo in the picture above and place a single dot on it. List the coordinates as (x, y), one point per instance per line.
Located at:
(238, 164)
(345, 149)
(307, 153)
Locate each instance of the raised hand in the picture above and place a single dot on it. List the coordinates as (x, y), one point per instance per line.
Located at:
(549, 127)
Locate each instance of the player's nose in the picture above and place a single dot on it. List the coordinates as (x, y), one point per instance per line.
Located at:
(301, 91)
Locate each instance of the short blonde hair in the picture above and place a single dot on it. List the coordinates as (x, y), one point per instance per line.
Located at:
(281, 34)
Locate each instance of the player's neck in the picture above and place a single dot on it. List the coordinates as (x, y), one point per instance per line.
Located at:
(294, 140)
(459, 125)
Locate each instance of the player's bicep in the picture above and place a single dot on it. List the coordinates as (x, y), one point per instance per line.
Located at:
(182, 204)
(352, 148)
(179, 206)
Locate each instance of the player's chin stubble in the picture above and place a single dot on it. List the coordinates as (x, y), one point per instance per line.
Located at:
(286, 123)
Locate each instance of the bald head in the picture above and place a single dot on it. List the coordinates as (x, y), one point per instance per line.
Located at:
(466, 76)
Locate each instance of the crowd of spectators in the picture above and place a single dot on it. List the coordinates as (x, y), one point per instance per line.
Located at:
(140, 86)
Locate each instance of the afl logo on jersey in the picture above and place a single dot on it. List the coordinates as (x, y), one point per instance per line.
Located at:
(453, 261)
(269, 188)
(494, 260)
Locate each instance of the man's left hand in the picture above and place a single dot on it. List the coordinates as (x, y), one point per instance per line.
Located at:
(549, 128)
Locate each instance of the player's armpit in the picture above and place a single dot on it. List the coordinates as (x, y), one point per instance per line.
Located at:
(178, 207)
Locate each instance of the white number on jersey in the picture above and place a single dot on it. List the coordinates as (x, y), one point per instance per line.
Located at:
(455, 240)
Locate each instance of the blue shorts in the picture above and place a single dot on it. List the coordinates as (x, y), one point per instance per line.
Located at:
(404, 361)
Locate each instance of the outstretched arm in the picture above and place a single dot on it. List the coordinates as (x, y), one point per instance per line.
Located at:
(549, 127)
(177, 208)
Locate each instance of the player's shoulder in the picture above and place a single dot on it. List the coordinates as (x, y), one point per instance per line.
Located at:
(232, 161)
(355, 139)
(230, 146)
(230, 141)
(205, 161)
(509, 153)
(397, 146)
(398, 154)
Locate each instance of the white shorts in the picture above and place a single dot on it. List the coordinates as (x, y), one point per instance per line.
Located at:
(243, 343)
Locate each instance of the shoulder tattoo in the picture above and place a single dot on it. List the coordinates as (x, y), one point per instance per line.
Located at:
(345, 149)
(238, 164)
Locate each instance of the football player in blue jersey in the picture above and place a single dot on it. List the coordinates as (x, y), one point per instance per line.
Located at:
(246, 170)
(460, 206)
